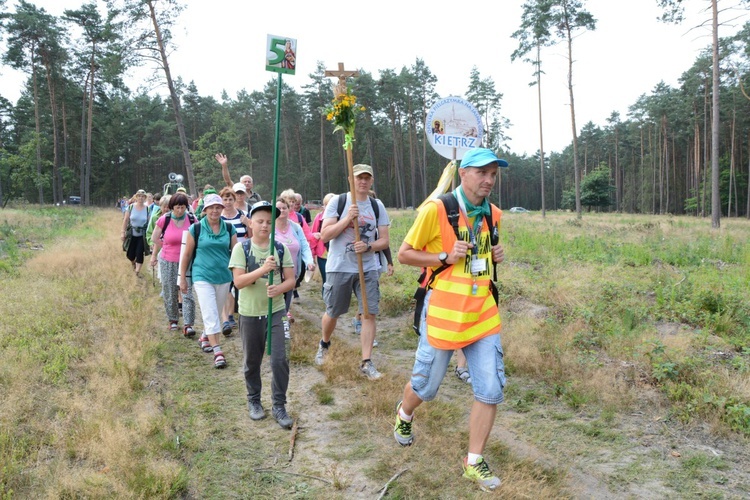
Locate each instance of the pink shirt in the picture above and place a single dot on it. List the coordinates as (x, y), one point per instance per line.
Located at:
(170, 250)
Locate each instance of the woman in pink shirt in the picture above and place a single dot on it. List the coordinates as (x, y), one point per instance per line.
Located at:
(167, 240)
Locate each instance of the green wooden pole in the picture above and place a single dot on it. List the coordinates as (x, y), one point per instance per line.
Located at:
(273, 208)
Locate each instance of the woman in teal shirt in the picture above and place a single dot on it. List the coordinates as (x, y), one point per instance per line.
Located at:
(210, 272)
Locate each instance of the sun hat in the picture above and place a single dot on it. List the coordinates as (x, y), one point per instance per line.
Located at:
(479, 157)
(239, 187)
(262, 205)
(181, 190)
(211, 200)
(361, 168)
(140, 192)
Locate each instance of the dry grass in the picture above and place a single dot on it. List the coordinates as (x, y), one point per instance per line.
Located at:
(74, 366)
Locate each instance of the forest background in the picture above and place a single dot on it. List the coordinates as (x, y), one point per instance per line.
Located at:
(77, 129)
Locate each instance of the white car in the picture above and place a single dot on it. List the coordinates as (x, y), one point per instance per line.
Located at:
(519, 210)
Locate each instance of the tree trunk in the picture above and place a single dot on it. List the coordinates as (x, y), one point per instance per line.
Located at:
(89, 130)
(38, 128)
(175, 103)
(576, 169)
(541, 130)
(715, 195)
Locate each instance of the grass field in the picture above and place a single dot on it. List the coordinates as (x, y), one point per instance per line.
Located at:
(627, 343)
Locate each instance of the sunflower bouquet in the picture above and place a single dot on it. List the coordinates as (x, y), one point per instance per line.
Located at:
(343, 112)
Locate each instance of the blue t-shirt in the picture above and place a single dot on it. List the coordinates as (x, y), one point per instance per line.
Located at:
(212, 256)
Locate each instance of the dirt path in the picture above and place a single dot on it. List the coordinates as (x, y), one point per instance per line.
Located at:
(344, 447)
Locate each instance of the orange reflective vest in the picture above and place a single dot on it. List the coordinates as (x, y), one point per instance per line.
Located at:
(455, 317)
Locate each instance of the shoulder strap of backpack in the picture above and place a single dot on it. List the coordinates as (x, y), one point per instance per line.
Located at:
(280, 252)
(167, 218)
(451, 209)
(342, 203)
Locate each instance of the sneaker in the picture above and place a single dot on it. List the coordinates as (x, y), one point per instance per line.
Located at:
(463, 375)
(219, 360)
(320, 356)
(232, 322)
(188, 331)
(226, 329)
(375, 342)
(369, 370)
(402, 430)
(282, 417)
(357, 323)
(173, 325)
(205, 344)
(481, 474)
(256, 410)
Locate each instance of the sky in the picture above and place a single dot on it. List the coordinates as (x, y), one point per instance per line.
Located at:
(221, 46)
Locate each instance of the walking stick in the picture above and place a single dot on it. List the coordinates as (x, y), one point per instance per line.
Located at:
(342, 114)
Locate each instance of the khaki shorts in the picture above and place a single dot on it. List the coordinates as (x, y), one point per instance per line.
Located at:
(338, 288)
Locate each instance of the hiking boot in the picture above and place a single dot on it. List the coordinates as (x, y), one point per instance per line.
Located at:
(481, 474)
(282, 417)
(226, 329)
(188, 331)
(463, 375)
(402, 430)
(219, 360)
(173, 325)
(205, 344)
(256, 410)
(357, 324)
(369, 370)
(320, 356)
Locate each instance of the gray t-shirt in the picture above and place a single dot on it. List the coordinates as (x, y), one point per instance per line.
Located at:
(341, 256)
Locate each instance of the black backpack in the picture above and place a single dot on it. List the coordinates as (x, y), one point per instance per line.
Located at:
(279, 250)
(168, 217)
(375, 208)
(453, 213)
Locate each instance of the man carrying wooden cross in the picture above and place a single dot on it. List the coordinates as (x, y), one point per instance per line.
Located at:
(342, 269)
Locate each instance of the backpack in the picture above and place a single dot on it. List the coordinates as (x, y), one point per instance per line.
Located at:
(453, 213)
(196, 237)
(168, 217)
(376, 210)
(279, 250)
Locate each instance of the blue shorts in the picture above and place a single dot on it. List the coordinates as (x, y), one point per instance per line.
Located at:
(484, 359)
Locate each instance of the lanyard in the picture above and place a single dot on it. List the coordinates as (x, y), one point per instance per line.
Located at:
(473, 233)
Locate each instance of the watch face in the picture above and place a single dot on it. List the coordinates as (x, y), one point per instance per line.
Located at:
(443, 256)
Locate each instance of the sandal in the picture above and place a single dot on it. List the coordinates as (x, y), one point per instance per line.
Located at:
(463, 375)
(173, 325)
(188, 331)
(219, 361)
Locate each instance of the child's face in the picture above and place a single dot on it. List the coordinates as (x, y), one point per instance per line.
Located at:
(261, 224)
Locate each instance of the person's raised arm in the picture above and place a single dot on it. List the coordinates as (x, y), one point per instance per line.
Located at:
(333, 227)
(222, 159)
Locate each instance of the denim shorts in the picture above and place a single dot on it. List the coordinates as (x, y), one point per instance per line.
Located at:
(484, 359)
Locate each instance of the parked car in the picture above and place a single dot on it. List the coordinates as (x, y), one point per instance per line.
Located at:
(74, 200)
(519, 210)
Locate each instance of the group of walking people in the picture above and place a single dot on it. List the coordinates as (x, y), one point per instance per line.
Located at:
(454, 239)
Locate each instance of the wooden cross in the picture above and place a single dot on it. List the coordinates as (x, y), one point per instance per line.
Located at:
(342, 74)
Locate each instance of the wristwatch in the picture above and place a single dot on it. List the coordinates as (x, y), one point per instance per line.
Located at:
(369, 247)
(443, 256)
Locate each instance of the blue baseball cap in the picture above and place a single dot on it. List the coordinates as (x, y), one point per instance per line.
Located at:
(479, 157)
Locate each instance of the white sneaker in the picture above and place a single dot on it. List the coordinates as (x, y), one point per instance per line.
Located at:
(369, 370)
(320, 355)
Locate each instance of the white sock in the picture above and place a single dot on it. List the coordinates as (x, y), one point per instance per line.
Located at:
(473, 458)
(404, 416)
